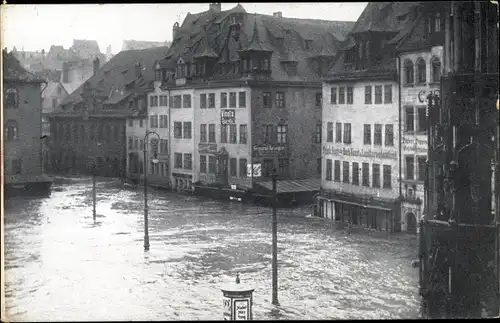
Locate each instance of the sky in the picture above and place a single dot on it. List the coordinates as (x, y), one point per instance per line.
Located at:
(37, 27)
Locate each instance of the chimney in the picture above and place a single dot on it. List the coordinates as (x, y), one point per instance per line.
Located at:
(96, 65)
(278, 14)
(175, 30)
(65, 72)
(138, 70)
(215, 6)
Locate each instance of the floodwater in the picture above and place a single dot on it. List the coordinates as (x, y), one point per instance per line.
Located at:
(60, 265)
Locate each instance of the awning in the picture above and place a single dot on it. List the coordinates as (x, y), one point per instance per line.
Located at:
(293, 186)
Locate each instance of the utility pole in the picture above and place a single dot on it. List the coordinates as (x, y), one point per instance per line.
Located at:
(275, 241)
(154, 145)
(93, 191)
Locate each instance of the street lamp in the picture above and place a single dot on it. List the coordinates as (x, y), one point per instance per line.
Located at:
(94, 185)
(154, 144)
(274, 176)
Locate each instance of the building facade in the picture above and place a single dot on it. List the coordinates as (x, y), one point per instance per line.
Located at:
(420, 57)
(22, 136)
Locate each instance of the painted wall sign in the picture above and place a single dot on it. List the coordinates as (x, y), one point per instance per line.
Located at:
(228, 116)
(351, 152)
(207, 148)
(268, 149)
(414, 145)
(422, 95)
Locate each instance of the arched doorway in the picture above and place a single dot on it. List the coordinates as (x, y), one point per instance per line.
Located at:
(411, 223)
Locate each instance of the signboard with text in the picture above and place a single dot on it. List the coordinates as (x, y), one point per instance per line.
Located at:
(240, 308)
(228, 116)
(415, 145)
(268, 150)
(368, 153)
(204, 148)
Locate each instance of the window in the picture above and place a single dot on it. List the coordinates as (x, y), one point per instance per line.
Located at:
(156, 100)
(11, 98)
(422, 165)
(376, 175)
(366, 174)
(233, 136)
(203, 103)
(153, 121)
(267, 167)
(232, 167)
(345, 170)
(211, 133)
(223, 133)
(368, 94)
(243, 167)
(437, 22)
(163, 146)
(367, 134)
(350, 95)
(54, 103)
(223, 100)
(178, 160)
(280, 100)
(141, 144)
(243, 134)
(387, 176)
(336, 177)
(136, 143)
(329, 132)
(177, 102)
(266, 99)
(347, 133)
(163, 121)
(378, 94)
(377, 136)
(421, 71)
(341, 95)
(283, 166)
(328, 170)
(268, 134)
(212, 164)
(141, 124)
(187, 130)
(11, 130)
(338, 132)
(355, 173)
(436, 70)
(408, 69)
(211, 100)
(186, 101)
(333, 95)
(130, 122)
(410, 119)
(318, 166)
(389, 135)
(410, 168)
(242, 98)
(422, 119)
(178, 130)
(203, 133)
(317, 134)
(319, 100)
(188, 159)
(17, 166)
(232, 99)
(388, 93)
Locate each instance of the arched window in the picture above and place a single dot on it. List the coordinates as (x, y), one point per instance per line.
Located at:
(11, 98)
(408, 72)
(11, 130)
(421, 71)
(436, 69)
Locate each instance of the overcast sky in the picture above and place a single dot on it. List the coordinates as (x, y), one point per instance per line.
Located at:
(37, 27)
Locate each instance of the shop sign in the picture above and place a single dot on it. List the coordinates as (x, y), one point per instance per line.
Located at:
(207, 148)
(368, 153)
(268, 149)
(422, 95)
(414, 145)
(228, 116)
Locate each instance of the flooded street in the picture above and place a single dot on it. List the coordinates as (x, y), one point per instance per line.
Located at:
(62, 266)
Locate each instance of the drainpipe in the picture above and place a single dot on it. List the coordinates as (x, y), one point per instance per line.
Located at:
(400, 133)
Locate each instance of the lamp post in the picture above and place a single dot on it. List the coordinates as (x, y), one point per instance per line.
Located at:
(274, 176)
(154, 145)
(94, 185)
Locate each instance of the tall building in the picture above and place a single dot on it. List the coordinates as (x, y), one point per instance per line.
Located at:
(245, 89)
(360, 170)
(22, 138)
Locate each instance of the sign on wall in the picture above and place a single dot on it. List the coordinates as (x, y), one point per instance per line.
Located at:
(257, 170)
(241, 312)
(368, 153)
(268, 150)
(414, 145)
(228, 116)
(204, 148)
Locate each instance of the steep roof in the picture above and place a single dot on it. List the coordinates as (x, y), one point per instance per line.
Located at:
(377, 17)
(13, 71)
(209, 31)
(85, 48)
(113, 76)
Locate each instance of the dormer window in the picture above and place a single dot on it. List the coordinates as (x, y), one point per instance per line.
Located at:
(157, 75)
(350, 55)
(434, 23)
(266, 64)
(279, 41)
